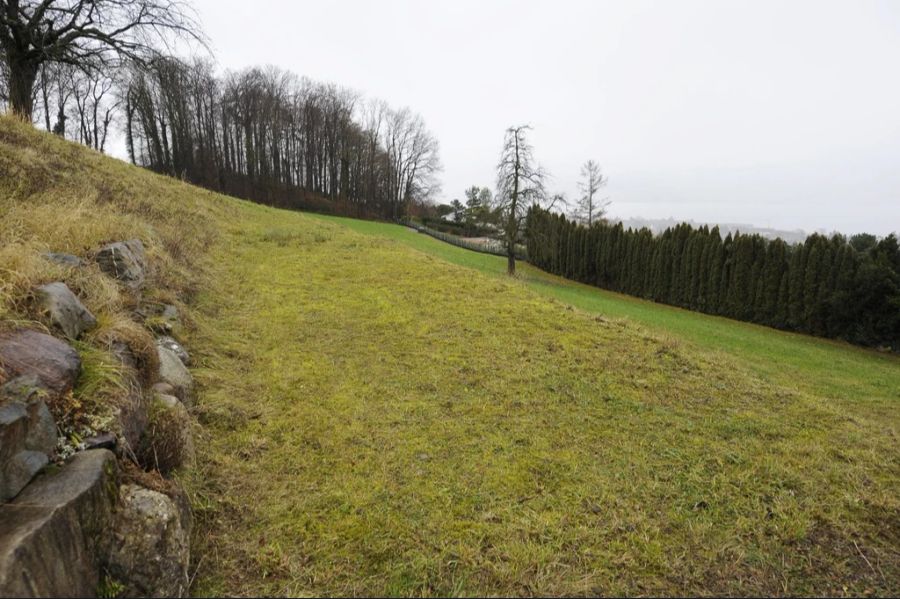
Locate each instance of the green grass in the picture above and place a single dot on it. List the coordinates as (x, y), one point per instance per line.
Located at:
(380, 420)
(802, 362)
(387, 414)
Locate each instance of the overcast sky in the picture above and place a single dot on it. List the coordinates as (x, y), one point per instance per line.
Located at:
(781, 114)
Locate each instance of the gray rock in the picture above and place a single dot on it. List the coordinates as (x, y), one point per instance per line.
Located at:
(170, 315)
(64, 259)
(173, 372)
(19, 471)
(101, 441)
(65, 309)
(169, 402)
(55, 364)
(124, 261)
(42, 433)
(162, 317)
(150, 550)
(27, 434)
(176, 348)
(13, 430)
(164, 388)
(27, 392)
(51, 535)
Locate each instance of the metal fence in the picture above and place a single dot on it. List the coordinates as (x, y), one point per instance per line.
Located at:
(491, 246)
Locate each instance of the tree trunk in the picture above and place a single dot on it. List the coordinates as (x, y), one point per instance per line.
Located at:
(129, 123)
(512, 225)
(22, 75)
(46, 99)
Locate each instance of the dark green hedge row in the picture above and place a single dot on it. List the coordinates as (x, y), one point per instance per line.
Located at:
(826, 286)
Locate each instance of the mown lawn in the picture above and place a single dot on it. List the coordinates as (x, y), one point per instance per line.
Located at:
(384, 420)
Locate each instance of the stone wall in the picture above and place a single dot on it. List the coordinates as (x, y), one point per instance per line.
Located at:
(72, 522)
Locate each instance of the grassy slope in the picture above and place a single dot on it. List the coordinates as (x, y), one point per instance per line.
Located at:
(378, 420)
(61, 197)
(417, 427)
(830, 368)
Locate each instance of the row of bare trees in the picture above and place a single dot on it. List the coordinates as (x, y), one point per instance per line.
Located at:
(91, 37)
(77, 104)
(85, 66)
(261, 134)
(269, 136)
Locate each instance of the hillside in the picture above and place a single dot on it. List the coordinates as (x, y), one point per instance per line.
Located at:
(384, 415)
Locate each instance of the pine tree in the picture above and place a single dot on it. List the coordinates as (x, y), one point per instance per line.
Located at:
(811, 283)
(795, 286)
(772, 275)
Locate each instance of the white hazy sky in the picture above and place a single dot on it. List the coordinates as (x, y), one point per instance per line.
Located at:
(781, 114)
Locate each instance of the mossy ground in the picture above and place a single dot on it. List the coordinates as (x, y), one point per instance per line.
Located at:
(386, 414)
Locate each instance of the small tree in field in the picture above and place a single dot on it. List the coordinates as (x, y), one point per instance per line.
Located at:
(458, 210)
(590, 207)
(520, 185)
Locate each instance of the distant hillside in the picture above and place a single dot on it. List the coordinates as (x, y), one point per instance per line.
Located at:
(658, 225)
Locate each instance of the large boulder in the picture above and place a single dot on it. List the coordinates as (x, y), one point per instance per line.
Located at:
(176, 348)
(65, 310)
(54, 363)
(27, 392)
(52, 536)
(174, 372)
(124, 261)
(27, 434)
(18, 471)
(150, 548)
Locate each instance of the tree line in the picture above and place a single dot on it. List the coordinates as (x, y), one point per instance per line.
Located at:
(270, 136)
(83, 67)
(827, 286)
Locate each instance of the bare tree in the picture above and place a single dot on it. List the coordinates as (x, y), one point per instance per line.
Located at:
(591, 208)
(55, 85)
(94, 106)
(413, 155)
(270, 136)
(4, 82)
(520, 185)
(88, 34)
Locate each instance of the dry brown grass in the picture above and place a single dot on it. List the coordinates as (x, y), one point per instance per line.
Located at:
(56, 196)
(168, 443)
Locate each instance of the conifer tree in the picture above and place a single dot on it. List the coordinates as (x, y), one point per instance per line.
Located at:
(795, 286)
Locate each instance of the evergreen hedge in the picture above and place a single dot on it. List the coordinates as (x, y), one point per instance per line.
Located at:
(826, 286)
